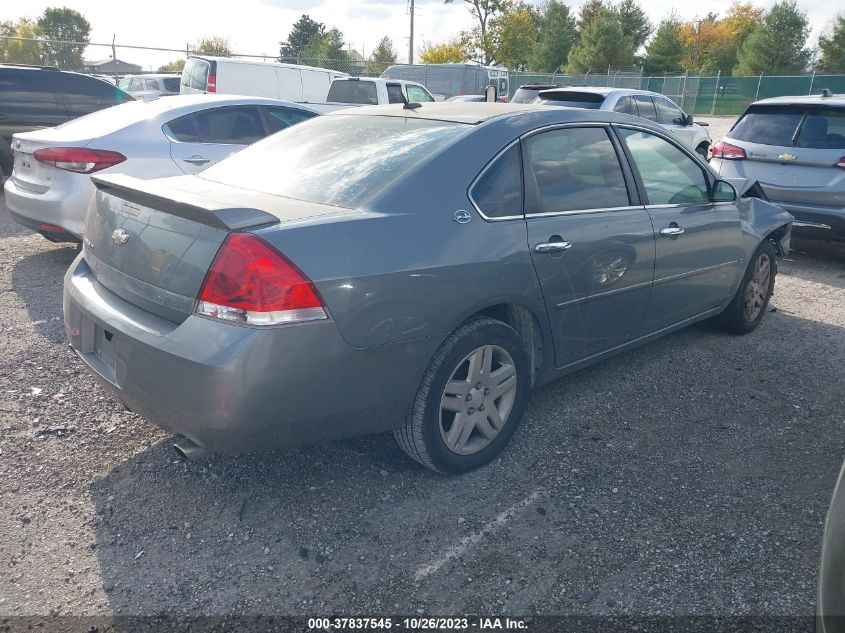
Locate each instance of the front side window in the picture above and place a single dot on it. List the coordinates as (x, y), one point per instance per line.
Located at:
(280, 118)
(667, 112)
(498, 193)
(572, 169)
(645, 107)
(417, 94)
(151, 84)
(668, 174)
(341, 160)
(225, 126)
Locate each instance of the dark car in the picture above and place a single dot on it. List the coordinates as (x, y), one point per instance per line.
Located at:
(33, 97)
(831, 590)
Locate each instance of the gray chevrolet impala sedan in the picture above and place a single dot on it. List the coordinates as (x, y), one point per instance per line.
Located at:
(415, 269)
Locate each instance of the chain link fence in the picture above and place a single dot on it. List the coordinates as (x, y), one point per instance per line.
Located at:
(702, 95)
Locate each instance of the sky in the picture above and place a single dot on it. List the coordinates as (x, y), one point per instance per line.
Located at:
(257, 26)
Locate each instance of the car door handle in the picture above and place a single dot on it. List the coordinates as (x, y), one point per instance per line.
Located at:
(672, 231)
(552, 247)
(197, 160)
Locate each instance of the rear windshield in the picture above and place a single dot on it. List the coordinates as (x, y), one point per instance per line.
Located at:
(195, 74)
(572, 99)
(818, 127)
(341, 160)
(527, 95)
(353, 92)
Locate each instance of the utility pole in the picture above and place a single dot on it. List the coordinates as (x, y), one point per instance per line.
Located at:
(411, 39)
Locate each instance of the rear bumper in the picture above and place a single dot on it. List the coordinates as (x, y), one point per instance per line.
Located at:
(64, 206)
(239, 389)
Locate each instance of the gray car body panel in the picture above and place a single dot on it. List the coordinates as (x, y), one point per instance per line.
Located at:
(830, 605)
(397, 276)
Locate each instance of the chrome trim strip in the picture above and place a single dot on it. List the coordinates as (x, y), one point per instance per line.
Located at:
(697, 271)
(599, 295)
(551, 214)
(815, 225)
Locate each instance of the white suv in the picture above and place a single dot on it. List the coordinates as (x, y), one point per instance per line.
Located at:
(644, 103)
(150, 86)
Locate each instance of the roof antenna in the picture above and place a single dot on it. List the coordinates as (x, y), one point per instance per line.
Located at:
(826, 93)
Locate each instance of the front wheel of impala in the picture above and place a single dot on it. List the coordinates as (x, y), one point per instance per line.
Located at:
(749, 304)
(470, 399)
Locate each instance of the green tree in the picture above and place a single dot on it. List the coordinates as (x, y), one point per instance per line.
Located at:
(175, 66)
(328, 46)
(832, 46)
(66, 25)
(483, 11)
(382, 56)
(300, 34)
(558, 34)
(634, 22)
(665, 52)
(589, 10)
(216, 45)
(603, 45)
(778, 43)
(443, 53)
(514, 35)
(20, 51)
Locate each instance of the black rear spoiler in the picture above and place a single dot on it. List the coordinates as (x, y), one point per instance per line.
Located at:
(197, 208)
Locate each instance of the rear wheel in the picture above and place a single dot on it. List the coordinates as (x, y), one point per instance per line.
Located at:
(470, 400)
(749, 304)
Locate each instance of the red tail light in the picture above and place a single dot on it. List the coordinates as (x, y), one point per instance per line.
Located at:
(727, 151)
(251, 282)
(840, 163)
(211, 84)
(78, 159)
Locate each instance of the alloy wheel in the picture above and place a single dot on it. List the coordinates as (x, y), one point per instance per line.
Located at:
(478, 399)
(758, 287)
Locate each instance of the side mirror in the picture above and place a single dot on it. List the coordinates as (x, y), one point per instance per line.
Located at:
(490, 94)
(723, 191)
(688, 120)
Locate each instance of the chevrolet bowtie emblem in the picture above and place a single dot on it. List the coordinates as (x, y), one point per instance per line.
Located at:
(120, 237)
(787, 157)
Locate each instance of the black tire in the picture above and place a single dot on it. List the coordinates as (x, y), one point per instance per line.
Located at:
(421, 436)
(702, 151)
(735, 319)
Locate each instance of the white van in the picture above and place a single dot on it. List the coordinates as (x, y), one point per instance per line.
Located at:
(225, 75)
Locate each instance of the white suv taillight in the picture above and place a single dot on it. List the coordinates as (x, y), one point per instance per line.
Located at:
(81, 160)
(251, 282)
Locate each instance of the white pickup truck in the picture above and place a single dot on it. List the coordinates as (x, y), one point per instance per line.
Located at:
(348, 92)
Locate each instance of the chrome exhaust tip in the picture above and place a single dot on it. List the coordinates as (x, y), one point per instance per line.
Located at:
(190, 450)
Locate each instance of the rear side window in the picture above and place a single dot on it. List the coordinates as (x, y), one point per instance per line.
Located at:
(394, 94)
(84, 95)
(645, 107)
(27, 94)
(572, 169)
(574, 99)
(417, 94)
(341, 160)
(225, 126)
(624, 106)
(792, 125)
(668, 174)
(171, 84)
(280, 118)
(363, 92)
(151, 84)
(498, 193)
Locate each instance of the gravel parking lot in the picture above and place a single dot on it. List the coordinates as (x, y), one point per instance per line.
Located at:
(688, 477)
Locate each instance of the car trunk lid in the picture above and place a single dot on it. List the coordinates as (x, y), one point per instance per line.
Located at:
(31, 174)
(152, 242)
